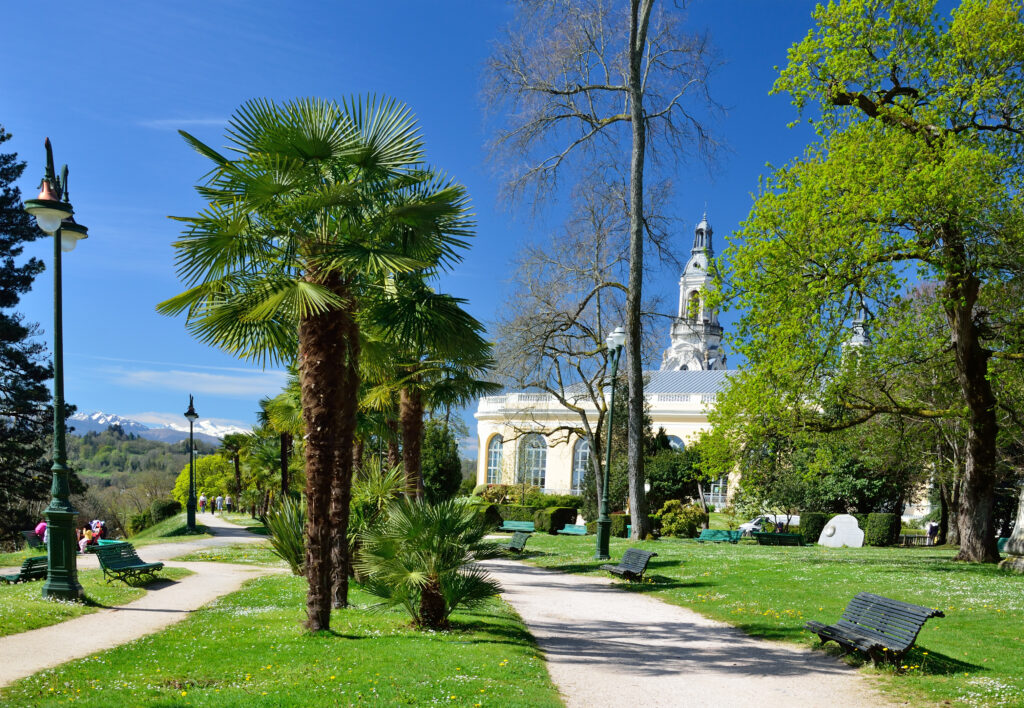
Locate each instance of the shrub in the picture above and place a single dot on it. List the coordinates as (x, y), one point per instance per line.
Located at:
(882, 529)
(515, 512)
(554, 518)
(286, 525)
(478, 490)
(591, 527)
(545, 501)
(619, 524)
(466, 486)
(487, 514)
(140, 521)
(681, 521)
(497, 493)
(424, 558)
(812, 523)
(162, 509)
(731, 517)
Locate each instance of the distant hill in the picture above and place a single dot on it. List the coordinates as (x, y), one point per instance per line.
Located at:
(99, 422)
(101, 457)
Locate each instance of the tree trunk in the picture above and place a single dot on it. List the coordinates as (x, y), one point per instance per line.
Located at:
(238, 474)
(943, 535)
(432, 606)
(341, 486)
(394, 456)
(640, 13)
(411, 416)
(286, 453)
(321, 339)
(357, 456)
(703, 505)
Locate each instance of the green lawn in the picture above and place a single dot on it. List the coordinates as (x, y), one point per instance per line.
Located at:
(242, 553)
(170, 530)
(248, 649)
(9, 560)
(974, 655)
(242, 519)
(22, 606)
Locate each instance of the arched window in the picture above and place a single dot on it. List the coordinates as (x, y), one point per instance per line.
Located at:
(494, 460)
(676, 443)
(533, 460)
(580, 462)
(693, 306)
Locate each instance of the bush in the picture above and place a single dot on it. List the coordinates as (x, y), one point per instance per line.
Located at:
(286, 526)
(681, 521)
(882, 529)
(554, 518)
(591, 527)
(467, 486)
(619, 524)
(478, 490)
(546, 501)
(487, 514)
(515, 512)
(812, 523)
(162, 509)
(140, 521)
(497, 493)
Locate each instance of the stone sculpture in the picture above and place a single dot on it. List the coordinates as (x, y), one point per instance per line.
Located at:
(841, 530)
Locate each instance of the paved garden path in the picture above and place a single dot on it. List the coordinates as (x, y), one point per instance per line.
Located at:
(609, 647)
(165, 603)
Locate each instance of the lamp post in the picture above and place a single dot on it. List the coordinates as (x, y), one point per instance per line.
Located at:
(190, 505)
(614, 343)
(54, 215)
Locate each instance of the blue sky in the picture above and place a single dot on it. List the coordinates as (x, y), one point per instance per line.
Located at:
(110, 83)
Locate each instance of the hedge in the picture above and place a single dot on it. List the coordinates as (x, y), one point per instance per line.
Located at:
(515, 512)
(812, 523)
(619, 522)
(487, 513)
(554, 518)
(140, 521)
(882, 529)
(162, 509)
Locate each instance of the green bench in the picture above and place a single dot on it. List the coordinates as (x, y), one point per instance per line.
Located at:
(526, 526)
(779, 539)
(719, 536)
(880, 627)
(1001, 543)
(120, 561)
(102, 542)
(573, 530)
(31, 539)
(33, 568)
(633, 564)
(518, 542)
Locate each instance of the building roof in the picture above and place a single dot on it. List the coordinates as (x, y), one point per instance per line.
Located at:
(686, 381)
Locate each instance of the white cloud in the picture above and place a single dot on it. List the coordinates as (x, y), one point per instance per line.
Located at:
(243, 385)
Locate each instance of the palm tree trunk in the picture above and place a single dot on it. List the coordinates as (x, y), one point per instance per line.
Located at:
(394, 456)
(432, 606)
(411, 416)
(238, 474)
(341, 487)
(321, 347)
(286, 453)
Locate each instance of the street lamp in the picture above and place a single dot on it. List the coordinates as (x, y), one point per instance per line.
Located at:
(614, 342)
(54, 215)
(190, 505)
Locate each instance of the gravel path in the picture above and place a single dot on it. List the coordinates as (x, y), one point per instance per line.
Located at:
(607, 647)
(165, 603)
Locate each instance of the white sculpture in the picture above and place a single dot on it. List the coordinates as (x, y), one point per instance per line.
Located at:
(841, 530)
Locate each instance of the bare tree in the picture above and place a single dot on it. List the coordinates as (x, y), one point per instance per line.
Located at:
(602, 84)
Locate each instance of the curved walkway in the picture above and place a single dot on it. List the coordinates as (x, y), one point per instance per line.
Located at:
(166, 602)
(608, 647)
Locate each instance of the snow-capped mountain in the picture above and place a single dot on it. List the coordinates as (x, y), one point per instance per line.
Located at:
(168, 432)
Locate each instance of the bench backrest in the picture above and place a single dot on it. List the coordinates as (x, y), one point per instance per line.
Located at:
(117, 555)
(574, 528)
(31, 539)
(778, 539)
(519, 539)
(894, 623)
(635, 561)
(719, 534)
(519, 525)
(34, 565)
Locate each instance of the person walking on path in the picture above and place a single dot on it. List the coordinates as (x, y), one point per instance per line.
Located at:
(220, 503)
(202, 503)
(227, 503)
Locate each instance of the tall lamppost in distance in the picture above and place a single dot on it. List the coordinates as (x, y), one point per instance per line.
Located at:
(54, 215)
(190, 505)
(614, 343)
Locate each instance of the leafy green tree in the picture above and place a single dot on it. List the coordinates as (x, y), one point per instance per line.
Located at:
(917, 175)
(214, 475)
(321, 203)
(442, 468)
(231, 447)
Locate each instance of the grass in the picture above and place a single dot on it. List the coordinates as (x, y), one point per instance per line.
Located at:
(241, 553)
(9, 560)
(22, 607)
(971, 657)
(248, 649)
(243, 519)
(169, 530)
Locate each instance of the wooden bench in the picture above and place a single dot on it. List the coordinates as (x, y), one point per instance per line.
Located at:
(517, 543)
(31, 539)
(526, 526)
(573, 530)
(120, 561)
(719, 536)
(880, 627)
(915, 539)
(33, 568)
(778, 539)
(633, 564)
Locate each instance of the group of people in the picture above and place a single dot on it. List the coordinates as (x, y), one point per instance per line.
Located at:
(218, 503)
(91, 533)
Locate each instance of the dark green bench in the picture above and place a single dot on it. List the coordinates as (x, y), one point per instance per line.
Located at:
(779, 539)
(33, 568)
(573, 530)
(31, 539)
(517, 526)
(517, 543)
(633, 564)
(120, 561)
(719, 536)
(102, 542)
(880, 627)
(1001, 543)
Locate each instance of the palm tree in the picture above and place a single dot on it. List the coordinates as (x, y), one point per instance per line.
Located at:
(231, 447)
(321, 202)
(283, 415)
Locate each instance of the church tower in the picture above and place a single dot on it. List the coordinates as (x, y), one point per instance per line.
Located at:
(696, 334)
